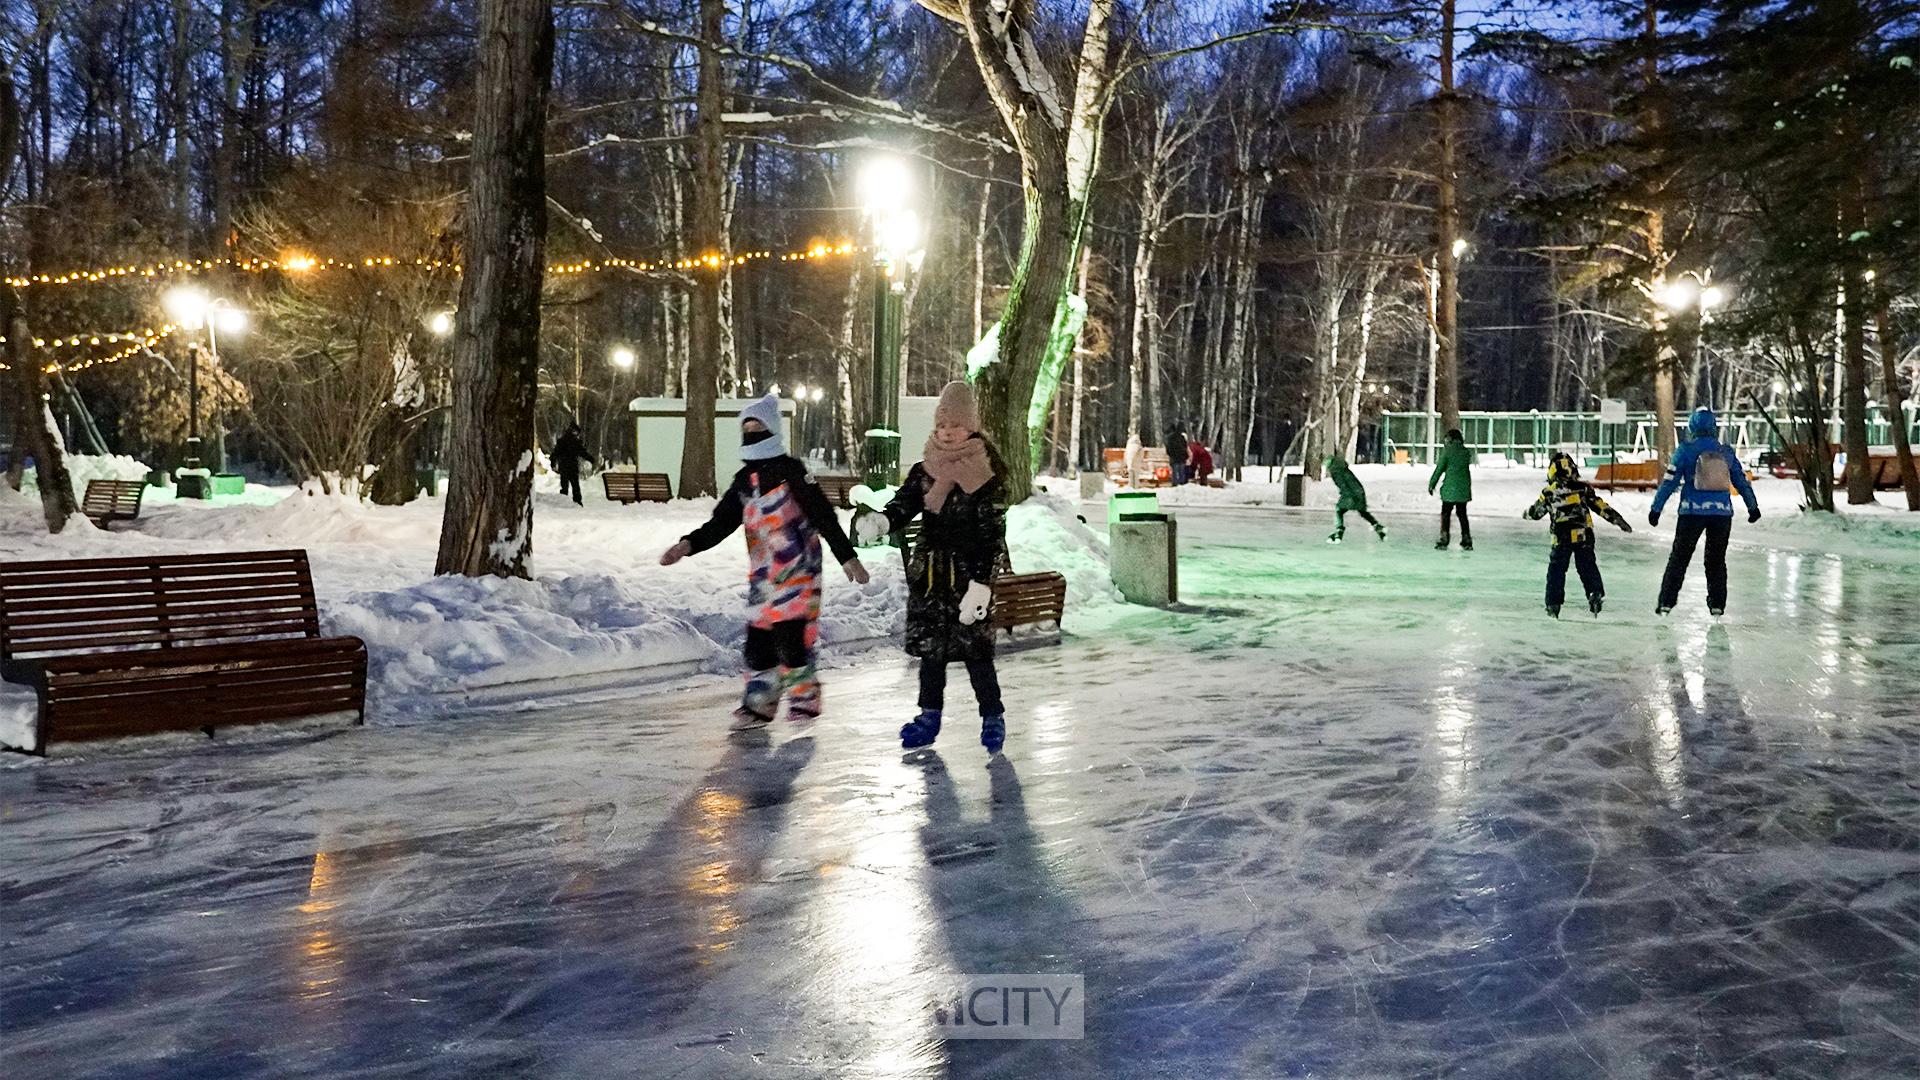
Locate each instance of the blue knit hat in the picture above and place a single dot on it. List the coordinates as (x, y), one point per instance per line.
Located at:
(1702, 422)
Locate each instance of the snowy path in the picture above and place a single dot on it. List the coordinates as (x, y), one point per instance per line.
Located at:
(1364, 812)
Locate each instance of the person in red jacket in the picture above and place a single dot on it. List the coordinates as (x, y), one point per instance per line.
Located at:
(1199, 462)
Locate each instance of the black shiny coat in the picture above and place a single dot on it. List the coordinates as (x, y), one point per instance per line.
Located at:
(963, 543)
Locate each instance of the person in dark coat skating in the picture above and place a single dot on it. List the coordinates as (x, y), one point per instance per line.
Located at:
(567, 455)
(957, 494)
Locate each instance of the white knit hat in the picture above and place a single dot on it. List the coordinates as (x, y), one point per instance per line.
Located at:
(767, 411)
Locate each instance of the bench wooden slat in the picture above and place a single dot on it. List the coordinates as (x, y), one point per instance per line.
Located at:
(166, 643)
(1028, 600)
(838, 488)
(107, 501)
(623, 486)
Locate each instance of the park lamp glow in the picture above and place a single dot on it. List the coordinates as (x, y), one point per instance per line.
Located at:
(897, 237)
(187, 305)
(1711, 297)
(230, 320)
(1460, 246)
(884, 185)
(440, 323)
(1678, 294)
(622, 357)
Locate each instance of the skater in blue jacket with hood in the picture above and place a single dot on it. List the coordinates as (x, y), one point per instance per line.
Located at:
(1706, 472)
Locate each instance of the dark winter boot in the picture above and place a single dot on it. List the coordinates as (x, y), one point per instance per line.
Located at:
(1716, 612)
(1380, 531)
(1336, 536)
(1553, 610)
(745, 719)
(993, 733)
(1594, 603)
(1662, 609)
(921, 730)
(1442, 543)
(1466, 545)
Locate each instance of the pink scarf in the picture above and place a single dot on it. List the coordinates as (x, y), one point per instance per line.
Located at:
(968, 468)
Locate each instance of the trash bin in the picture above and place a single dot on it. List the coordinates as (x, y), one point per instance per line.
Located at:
(1295, 491)
(1128, 503)
(1143, 552)
(229, 484)
(1093, 484)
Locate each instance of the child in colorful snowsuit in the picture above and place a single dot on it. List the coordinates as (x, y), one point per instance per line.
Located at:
(1572, 502)
(1353, 497)
(956, 492)
(785, 515)
(1453, 475)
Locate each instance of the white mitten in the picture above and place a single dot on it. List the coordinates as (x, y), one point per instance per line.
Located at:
(869, 528)
(973, 606)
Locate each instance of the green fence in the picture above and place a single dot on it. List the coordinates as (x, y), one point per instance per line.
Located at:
(1529, 437)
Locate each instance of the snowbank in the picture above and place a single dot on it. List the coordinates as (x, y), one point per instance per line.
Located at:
(599, 604)
(84, 467)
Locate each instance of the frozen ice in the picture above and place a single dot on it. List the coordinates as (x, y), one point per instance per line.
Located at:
(1348, 812)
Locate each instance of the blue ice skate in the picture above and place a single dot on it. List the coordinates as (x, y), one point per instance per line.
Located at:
(993, 733)
(920, 731)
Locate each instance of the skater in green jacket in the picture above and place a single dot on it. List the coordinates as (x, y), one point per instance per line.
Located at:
(1353, 497)
(1453, 476)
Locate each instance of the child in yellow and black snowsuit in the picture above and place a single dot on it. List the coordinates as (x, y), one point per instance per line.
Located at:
(1572, 502)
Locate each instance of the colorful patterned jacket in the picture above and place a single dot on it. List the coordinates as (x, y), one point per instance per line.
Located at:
(785, 514)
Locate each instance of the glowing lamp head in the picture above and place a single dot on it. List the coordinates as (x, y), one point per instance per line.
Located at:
(186, 305)
(1677, 295)
(1712, 296)
(230, 320)
(299, 264)
(884, 184)
(1460, 246)
(898, 235)
(440, 323)
(816, 394)
(623, 358)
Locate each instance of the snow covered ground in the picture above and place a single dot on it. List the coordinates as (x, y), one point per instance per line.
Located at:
(1354, 812)
(599, 605)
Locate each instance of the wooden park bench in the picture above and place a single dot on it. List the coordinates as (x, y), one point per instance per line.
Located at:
(1019, 600)
(1153, 462)
(838, 488)
(1633, 476)
(135, 646)
(1795, 459)
(108, 501)
(1884, 467)
(628, 487)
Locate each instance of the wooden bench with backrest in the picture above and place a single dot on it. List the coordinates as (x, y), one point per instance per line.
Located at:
(1153, 461)
(1885, 469)
(1018, 599)
(135, 646)
(1795, 458)
(838, 488)
(1634, 476)
(108, 501)
(624, 486)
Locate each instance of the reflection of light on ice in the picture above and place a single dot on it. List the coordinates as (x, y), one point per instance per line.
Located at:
(1049, 733)
(319, 954)
(1663, 740)
(1453, 719)
(713, 885)
(871, 922)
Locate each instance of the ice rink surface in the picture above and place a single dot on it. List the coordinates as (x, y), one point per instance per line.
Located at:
(1360, 811)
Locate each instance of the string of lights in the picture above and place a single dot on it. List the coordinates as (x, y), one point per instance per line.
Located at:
(136, 345)
(301, 263)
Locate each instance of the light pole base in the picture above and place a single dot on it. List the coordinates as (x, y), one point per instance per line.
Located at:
(883, 459)
(192, 485)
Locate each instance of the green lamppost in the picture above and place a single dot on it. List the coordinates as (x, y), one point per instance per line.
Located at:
(192, 308)
(885, 188)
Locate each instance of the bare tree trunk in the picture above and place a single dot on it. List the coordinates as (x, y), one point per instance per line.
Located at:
(1663, 402)
(706, 336)
(1447, 373)
(1896, 398)
(180, 118)
(488, 523)
(846, 356)
(980, 264)
(1252, 202)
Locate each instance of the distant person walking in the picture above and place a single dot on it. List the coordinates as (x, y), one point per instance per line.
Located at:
(1178, 454)
(1200, 460)
(567, 455)
(1453, 475)
(1706, 472)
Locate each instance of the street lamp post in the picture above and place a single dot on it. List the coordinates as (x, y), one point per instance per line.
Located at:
(192, 308)
(884, 187)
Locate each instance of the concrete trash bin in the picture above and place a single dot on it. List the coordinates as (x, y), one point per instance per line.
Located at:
(1093, 484)
(1295, 490)
(1143, 553)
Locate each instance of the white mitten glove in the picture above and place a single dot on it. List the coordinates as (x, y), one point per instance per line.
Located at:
(869, 528)
(973, 606)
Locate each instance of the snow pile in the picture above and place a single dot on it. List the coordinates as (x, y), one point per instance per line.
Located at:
(598, 604)
(84, 467)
